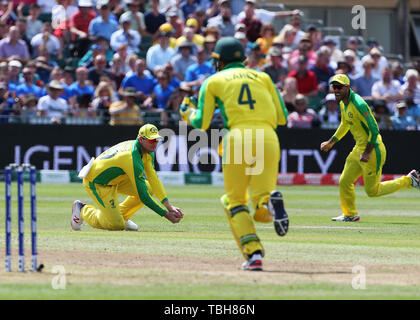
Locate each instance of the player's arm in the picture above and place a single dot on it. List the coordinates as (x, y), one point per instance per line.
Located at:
(200, 117)
(278, 102)
(138, 179)
(372, 129)
(341, 131)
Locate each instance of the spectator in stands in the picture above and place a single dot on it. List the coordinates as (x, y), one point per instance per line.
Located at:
(14, 68)
(256, 58)
(182, 60)
(80, 88)
(413, 109)
(306, 79)
(287, 36)
(158, 100)
(225, 20)
(364, 83)
(136, 17)
(58, 74)
(380, 61)
(153, 19)
(241, 36)
(51, 105)
(382, 115)
(301, 117)
(46, 41)
(7, 15)
(266, 38)
(103, 98)
(209, 45)
(289, 93)
(397, 71)
(126, 36)
(330, 113)
(22, 26)
(29, 108)
(304, 49)
(12, 45)
(353, 45)
(354, 62)
(190, 35)
(168, 68)
(28, 87)
(263, 14)
(101, 46)
(98, 69)
(315, 35)
(322, 69)
(211, 30)
(6, 103)
(387, 89)
(251, 21)
(160, 53)
(188, 7)
(296, 22)
(198, 72)
(336, 54)
(169, 30)
(34, 26)
(411, 82)
(275, 68)
(200, 16)
(79, 25)
(126, 112)
(102, 25)
(118, 69)
(343, 66)
(400, 120)
(171, 113)
(141, 82)
(175, 22)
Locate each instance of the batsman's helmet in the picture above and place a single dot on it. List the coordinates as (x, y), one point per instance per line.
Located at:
(229, 49)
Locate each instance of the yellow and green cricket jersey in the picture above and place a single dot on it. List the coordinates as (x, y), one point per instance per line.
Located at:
(244, 96)
(124, 162)
(358, 118)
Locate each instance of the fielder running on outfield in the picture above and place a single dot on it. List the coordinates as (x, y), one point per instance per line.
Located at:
(248, 101)
(123, 169)
(368, 155)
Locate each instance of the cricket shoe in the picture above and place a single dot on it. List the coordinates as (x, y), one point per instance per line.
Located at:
(131, 226)
(253, 264)
(347, 218)
(76, 218)
(415, 178)
(276, 207)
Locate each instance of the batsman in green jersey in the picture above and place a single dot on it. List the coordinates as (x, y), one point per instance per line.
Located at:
(126, 168)
(368, 155)
(252, 109)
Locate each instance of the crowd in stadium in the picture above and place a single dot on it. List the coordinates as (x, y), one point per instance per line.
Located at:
(129, 62)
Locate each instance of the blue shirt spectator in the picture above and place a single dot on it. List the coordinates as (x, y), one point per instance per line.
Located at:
(365, 81)
(25, 89)
(188, 7)
(401, 121)
(100, 27)
(142, 82)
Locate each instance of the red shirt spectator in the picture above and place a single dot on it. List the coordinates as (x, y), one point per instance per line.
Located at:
(307, 83)
(83, 17)
(252, 24)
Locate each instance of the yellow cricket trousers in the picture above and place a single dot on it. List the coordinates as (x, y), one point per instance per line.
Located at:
(371, 172)
(109, 214)
(250, 160)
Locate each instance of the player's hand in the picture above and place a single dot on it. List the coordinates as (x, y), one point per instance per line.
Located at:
(327, 145)
(364, 157)
(174, 216)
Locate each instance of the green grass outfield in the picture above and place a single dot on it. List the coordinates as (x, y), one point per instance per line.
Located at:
(198, 258)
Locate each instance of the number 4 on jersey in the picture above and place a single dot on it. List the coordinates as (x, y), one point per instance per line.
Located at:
(245, 96)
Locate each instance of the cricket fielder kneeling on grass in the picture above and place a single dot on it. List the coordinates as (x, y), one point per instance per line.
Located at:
(252, 109)
(123, 169)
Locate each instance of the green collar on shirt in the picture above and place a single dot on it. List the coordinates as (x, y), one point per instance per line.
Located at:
(351, 98)
(235, 64)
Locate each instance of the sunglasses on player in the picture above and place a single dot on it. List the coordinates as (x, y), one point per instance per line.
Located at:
(338, 86)
(150, 140)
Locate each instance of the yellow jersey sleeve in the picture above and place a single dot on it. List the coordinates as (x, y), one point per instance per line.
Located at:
(152, 177)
